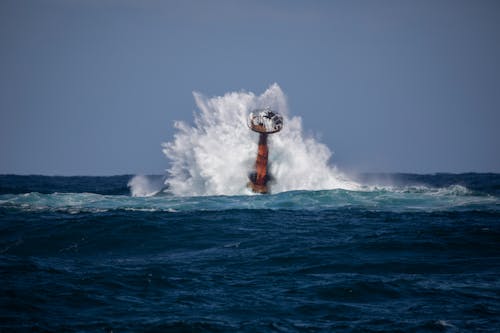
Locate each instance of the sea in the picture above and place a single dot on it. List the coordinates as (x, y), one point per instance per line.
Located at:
(80, 254)
(194, 250)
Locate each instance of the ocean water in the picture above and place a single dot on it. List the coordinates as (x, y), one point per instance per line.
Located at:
(409, 253)
(194, 250)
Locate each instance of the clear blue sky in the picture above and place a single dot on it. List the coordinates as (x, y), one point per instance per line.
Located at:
(92, 87)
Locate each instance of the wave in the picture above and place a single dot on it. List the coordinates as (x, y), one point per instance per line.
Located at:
(146, 186)
(407, 198)
(216, 154)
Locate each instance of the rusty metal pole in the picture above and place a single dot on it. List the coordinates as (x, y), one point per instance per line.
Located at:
(261, 165)
(264, 122)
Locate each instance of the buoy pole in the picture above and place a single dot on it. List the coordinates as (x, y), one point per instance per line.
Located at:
(264, 122)
(261, 165)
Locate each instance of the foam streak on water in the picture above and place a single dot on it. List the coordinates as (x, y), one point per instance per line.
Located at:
(402, 199)
(216, 154)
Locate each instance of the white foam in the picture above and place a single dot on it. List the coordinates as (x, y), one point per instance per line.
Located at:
(144, 186)
(452, 190)
(216, 154)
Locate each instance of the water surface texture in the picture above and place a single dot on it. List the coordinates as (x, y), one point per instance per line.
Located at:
(410, 253)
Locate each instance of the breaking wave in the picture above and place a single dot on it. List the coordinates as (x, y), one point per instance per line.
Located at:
(146, 186)
(402, 199)
(216, 154)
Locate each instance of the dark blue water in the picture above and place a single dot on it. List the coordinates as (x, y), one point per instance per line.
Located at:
(409, 253)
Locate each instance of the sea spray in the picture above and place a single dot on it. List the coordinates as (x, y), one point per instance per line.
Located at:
(215, 156)
(146, 186)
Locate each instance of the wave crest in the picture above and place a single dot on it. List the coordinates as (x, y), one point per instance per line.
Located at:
(215, 156)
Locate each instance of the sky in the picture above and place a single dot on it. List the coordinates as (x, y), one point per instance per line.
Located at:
(92, 87)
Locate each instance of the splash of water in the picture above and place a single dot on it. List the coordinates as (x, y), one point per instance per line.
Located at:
(215, 156)
(145, 186)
